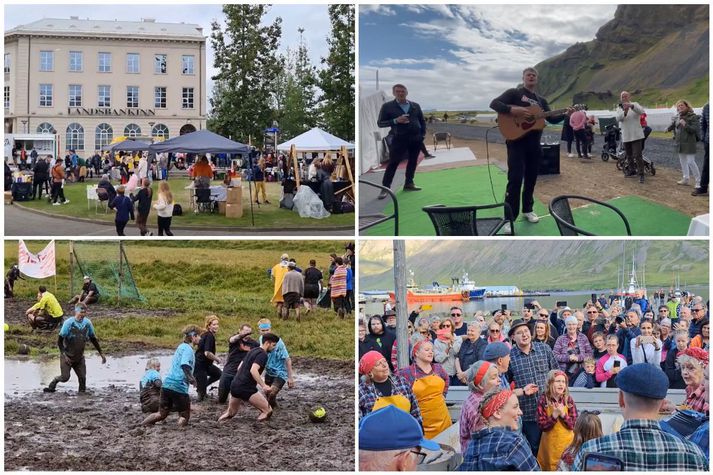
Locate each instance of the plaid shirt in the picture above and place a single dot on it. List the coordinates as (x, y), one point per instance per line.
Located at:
(546, 422)
(412, 372)
(695, 399)
(531, 368)
(368, 394)
(470, 419)
(643, 446)
(499, 449)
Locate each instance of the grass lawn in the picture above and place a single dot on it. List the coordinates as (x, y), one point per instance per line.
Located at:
(194, 279)
(266, 216)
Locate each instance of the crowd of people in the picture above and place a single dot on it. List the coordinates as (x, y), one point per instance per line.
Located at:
(519, 414)
(294, 288)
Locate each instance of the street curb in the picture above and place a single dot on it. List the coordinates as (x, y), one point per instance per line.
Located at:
(188, 228)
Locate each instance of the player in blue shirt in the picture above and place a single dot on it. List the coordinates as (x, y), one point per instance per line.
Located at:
(278, 370)
(174, 391)
(150, 386)
(71, 341)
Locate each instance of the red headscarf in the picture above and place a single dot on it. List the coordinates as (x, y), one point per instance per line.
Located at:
(369, 360)
(481, 373)
(495, 403)
(698, 353)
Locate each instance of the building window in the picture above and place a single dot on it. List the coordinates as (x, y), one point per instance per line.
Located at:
(187, 95)
(103, 135)
(132, 130)
(45, 95)
(159, 63)
(75, 137)
(132, 63)
(104, 62)
(7, 97)
(7, 62)
(75, 95)
(46, 60)
(159, 130)
(46, 128)
(104, 96)
(76, 61)
(132, 96)
(187, 65)
(159, 97)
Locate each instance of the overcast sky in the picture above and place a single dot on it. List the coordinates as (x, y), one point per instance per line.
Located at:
(313, 18)
(459, 57)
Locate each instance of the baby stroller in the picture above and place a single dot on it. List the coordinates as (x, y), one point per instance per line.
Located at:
(629, 168)
(612, 147)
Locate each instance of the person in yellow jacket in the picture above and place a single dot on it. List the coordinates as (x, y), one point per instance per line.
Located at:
(47, 312)
(278, 275)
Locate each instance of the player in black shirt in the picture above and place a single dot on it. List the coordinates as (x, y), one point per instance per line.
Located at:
(238, 346)
(244, 386)
(90, 293)
(205, 372)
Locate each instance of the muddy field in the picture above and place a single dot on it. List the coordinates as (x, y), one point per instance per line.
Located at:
(102, 431)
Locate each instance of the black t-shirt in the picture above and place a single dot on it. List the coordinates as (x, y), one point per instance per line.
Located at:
(207, 343)
(236, 355)
(243, 379)
(463, 330)
(312, 276)
(90, 287)
(384, 388)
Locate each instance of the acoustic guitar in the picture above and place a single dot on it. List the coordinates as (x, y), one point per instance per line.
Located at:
(514, 128)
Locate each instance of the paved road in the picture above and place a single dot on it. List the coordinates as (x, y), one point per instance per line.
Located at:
(661, 151)
(20, 223)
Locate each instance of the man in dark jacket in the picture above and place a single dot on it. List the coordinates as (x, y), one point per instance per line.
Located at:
(381, 338)
(41, 172)
(703, 188)
(143, 196)
(106, 185)
(408, 128)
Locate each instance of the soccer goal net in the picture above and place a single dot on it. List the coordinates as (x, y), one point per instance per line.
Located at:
(107, 265)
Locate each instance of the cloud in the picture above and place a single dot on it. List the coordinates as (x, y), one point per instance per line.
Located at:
(484, 48)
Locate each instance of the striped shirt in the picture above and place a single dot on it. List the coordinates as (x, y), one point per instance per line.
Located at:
(643, 446)
(338, 282)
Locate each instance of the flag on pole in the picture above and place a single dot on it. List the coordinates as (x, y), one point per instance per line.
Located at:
(37, 266)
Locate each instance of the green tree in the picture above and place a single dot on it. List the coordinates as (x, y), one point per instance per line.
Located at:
(247, 66)
(336, 79)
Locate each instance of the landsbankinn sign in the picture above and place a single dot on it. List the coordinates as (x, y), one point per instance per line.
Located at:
(110, 111)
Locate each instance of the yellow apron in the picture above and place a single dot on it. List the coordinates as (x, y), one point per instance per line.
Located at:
(553, 444)
(396, 400)
(429, 394)
(278, 272)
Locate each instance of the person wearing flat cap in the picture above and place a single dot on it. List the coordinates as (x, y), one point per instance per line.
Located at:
(293, 288)
(390, 440)
(381, 388)
(641, 444)
(530, 363)
(499, 446)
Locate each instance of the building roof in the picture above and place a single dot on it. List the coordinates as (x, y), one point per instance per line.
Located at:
(146, 28)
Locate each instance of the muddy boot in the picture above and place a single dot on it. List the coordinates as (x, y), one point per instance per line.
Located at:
(52, 387)
(341, 313)
(82, 385)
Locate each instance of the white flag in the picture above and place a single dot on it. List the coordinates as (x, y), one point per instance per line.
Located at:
(37, 266)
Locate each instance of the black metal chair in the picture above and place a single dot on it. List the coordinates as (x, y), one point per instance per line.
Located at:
(463, 220)
(561, 211)
(367, 221)
(203, 201)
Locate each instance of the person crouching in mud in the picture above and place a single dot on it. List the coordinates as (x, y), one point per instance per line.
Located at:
(71, 341)
(244, 386)
(174, 392)
(150, 386)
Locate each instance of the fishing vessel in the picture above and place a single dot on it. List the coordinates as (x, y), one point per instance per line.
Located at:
(633, 287)
(467, 288)
(415, 294)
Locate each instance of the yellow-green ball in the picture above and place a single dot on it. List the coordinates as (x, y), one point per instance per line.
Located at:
(318, 414)
(7, 327)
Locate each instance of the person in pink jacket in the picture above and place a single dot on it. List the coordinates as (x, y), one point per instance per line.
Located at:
(610, 364)
(578, 121)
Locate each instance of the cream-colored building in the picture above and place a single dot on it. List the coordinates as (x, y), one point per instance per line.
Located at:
(90, 81)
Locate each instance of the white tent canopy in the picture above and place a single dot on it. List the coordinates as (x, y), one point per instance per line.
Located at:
(370, 134)
(316, 140)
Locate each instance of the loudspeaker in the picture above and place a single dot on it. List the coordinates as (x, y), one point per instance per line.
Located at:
(550, 164)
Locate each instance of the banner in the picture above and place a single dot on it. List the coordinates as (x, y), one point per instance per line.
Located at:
(37, 266)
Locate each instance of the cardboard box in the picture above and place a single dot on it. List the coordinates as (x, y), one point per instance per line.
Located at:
(221, 207)
(235, 195)
(8, 197)
(233, 210)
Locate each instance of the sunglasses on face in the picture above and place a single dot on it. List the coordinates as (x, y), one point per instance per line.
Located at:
(544, 315)
(588, 311)
(494, 331)
(446, 326)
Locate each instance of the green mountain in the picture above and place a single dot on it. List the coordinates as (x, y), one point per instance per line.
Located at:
(536, 265)
(659, 53)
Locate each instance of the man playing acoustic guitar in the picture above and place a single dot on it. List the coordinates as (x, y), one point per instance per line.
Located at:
(524, 153)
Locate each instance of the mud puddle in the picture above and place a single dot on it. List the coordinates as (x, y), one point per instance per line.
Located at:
(101, 430)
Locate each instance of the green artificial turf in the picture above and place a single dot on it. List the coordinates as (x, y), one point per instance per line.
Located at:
(471, 186)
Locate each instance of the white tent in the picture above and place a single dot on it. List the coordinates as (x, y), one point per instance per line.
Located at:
(370, 135)
(316, 140)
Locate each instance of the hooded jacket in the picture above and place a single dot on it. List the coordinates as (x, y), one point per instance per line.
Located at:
(382, 342)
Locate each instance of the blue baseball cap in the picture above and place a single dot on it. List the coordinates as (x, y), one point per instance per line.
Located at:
(390, 428)
(643, 380)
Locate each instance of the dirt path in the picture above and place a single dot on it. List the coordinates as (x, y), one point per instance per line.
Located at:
(599, 180)
(101, 431)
